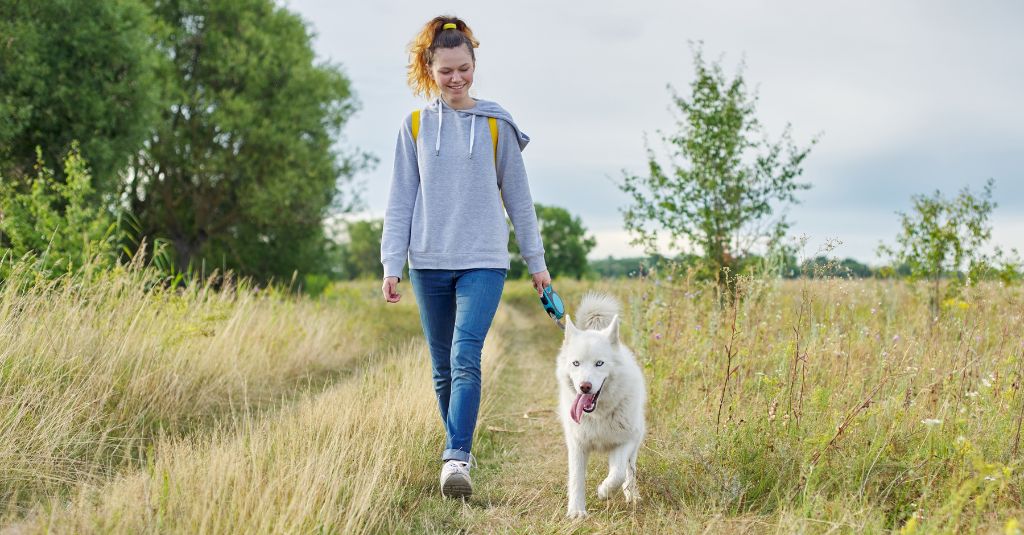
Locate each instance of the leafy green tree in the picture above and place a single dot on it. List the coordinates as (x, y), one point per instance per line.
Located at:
(360, 252)
(55, 221)
(944, 237)
(75, 70)
(566, 244)
(723, 176)
(243, 166)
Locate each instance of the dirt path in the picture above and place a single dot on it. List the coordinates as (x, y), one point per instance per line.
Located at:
(523, 477)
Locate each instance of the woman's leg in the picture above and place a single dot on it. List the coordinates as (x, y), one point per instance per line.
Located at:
(435, 297)
(478, 292)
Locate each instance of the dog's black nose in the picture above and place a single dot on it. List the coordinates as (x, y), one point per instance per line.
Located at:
(585, 387)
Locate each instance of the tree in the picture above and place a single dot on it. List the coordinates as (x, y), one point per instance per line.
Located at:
(242, 167)
(943, 237)
(360, 252)
(824, 267)
(566, 244)
(75, 70)
(723, 178)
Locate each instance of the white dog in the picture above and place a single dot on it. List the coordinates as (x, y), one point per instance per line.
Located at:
(601, 400)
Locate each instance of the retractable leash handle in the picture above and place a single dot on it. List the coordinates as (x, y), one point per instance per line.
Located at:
(553, 305)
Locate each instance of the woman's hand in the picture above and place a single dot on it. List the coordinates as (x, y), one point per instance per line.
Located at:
(541, 280)
(390, 289)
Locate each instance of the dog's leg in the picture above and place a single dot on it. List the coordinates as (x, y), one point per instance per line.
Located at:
(618, 461)
(629, 487)
(577, 480)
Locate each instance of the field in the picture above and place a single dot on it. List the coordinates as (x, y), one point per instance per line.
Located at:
(811, 406)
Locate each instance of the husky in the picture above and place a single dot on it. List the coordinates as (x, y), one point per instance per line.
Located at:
(601, 401)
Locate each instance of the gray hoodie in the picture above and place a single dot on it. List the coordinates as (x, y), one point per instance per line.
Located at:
(445, 205)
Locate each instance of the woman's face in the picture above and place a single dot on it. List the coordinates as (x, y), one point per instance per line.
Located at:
(452, 70)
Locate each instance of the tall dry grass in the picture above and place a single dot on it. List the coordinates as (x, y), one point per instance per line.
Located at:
(93, 373)
(351, 459)
(809, 406)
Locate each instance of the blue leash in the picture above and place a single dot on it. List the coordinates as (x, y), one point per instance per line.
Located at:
(553, 305)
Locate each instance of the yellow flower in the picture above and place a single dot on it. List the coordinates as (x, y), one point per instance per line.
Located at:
(910, 526)
(953, 302)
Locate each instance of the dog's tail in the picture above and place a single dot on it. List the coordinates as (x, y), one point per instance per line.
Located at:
(596, 311)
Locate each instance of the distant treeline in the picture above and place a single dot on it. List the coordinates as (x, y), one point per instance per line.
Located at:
(817, 267)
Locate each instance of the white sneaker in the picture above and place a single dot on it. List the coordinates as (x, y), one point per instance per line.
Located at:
(455, 481)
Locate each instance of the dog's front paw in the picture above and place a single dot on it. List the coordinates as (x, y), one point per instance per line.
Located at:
(604, 491)
(576, 513)
(632, 496)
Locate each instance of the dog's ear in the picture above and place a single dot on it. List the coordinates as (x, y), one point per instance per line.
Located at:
(612, 330)
(570, 329)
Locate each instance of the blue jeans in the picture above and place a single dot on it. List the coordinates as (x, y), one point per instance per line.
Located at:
(456, 310)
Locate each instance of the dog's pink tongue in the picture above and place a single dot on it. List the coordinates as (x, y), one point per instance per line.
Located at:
(582, 400)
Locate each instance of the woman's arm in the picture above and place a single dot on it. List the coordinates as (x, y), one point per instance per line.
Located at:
(515, 192)
(405, 183)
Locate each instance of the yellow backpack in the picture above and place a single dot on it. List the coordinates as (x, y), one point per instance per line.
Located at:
(491, 121)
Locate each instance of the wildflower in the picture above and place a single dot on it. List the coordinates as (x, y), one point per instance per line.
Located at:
(931, 421)
(896, 338)
(657, 336)
(953, 302)
(873, 310)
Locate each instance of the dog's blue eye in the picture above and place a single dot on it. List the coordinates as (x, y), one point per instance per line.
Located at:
(599, 363)
(575, 363)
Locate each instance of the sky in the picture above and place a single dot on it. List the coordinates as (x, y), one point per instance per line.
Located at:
(904, 98)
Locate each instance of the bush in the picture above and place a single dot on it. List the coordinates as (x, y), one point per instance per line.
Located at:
(55, 223)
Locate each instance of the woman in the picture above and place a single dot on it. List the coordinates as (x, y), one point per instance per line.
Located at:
(457, 165)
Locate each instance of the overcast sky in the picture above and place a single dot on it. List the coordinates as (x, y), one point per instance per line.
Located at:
(908, 97)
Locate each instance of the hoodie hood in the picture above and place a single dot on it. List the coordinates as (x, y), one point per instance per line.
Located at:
(484, 108)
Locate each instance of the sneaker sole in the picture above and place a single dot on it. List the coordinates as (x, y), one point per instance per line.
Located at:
(457, 487)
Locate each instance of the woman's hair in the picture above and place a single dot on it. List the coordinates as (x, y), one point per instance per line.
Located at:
(422, 47)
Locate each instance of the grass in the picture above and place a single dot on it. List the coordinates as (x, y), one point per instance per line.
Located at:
(846, 403)
(92, 375)
(810, 406)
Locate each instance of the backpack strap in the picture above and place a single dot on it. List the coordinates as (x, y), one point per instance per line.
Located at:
(491, 121)
(494, 138)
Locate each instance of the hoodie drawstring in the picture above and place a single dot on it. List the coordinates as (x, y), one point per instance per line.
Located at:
(440, 120)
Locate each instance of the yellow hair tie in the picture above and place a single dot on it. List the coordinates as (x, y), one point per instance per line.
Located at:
(450, 26)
